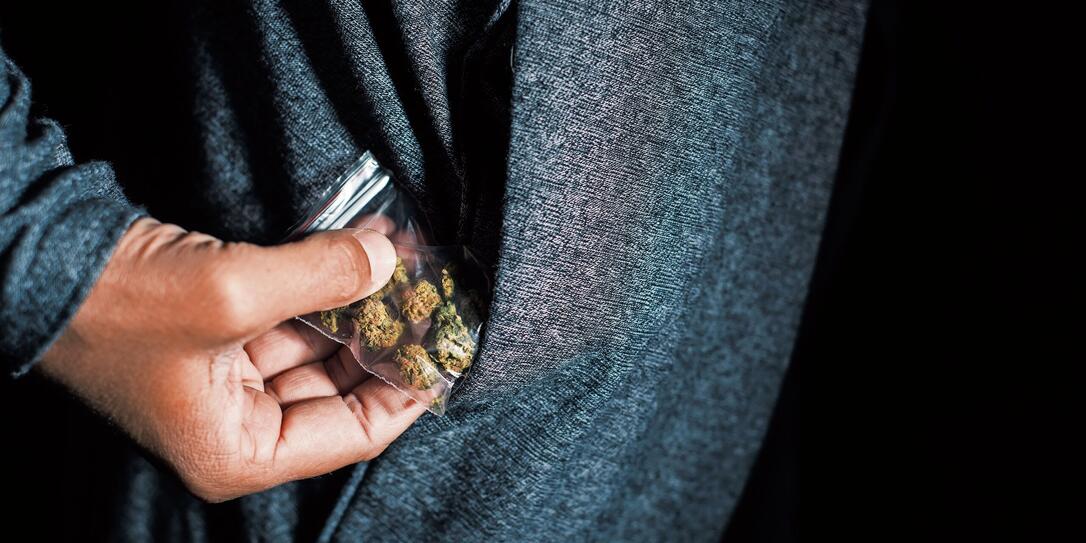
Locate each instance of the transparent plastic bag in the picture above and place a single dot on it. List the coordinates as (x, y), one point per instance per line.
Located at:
(420, 332)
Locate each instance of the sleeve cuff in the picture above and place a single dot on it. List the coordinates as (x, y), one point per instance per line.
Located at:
(54, 267)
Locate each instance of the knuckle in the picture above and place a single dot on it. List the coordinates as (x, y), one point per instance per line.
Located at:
(374, 439)
(294, 380)
(333, 367)
(225, 289)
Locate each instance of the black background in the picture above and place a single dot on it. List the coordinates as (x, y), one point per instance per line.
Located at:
(930, 395)
(933, 375)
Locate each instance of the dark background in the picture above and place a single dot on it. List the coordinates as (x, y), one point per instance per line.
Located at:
(929, 395)
(933, 375)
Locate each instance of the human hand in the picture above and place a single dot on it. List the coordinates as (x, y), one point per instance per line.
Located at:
(187, 343)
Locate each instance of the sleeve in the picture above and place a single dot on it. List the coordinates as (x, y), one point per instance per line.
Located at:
(59, 222)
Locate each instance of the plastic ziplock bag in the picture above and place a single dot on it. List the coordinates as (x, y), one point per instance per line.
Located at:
(419, 332)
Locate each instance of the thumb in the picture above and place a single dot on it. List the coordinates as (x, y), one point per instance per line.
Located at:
(322, 271)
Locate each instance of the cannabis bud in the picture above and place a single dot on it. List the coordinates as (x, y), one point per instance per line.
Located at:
(330, 318)
(420, 301)
(417, 369)
(446, 284)
(399, 277)
(425, 319)
(451, 339)
(376, 328)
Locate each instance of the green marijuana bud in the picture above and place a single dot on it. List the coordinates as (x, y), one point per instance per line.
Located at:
(416, 367)
(419, 302)
(399, 277)
(446, 284)
(375, 327)
(330, 318)
(452, 341)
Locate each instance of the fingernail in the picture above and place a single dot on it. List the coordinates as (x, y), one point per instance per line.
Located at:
(381, 254)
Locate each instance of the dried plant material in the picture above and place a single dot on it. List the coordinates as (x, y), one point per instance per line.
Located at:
(376, 328)
(446, 284)
(452, 342)
(426, 319)
(399, 277)
(420, 301)
(417, 369)
(330, 319)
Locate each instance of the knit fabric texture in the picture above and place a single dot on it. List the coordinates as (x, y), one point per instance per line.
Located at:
(647, 182)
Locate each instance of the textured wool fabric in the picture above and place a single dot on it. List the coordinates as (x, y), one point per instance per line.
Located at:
(58, 223)
(647, 181)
